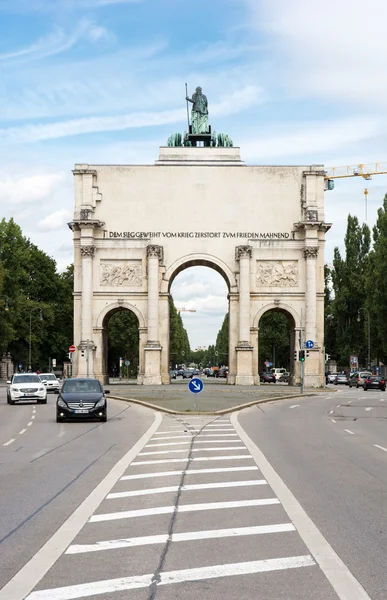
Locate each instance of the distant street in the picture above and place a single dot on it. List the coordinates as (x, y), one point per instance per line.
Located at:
(284, 501)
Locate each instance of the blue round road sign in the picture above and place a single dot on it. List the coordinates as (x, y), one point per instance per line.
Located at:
(309, 344)
(196, 385)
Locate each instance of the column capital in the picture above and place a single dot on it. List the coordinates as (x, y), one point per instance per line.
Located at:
(243, 252)
(155, 251)
(311, 252)
(87, 250)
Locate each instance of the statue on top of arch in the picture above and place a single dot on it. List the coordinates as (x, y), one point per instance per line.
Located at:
(199, 129)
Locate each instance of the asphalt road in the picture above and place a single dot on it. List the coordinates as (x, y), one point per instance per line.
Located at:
(282, 502)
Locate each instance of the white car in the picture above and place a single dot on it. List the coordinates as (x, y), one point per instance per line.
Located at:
(50, 381)
(26, 386)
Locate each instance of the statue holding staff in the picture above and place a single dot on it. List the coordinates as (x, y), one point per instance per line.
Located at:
(199, 112)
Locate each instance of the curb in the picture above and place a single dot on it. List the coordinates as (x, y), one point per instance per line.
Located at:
(224, 411)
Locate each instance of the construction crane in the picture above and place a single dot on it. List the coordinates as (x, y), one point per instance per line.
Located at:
(184, 309)
(364, 171)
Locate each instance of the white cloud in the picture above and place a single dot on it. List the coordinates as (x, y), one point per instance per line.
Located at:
(30, 188)
(55, 220)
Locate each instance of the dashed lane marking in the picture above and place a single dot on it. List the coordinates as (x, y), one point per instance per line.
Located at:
(9, 442)
(331, 412)
(294, 406)
(33, 417)
(333, 420)
(368, 408)
(241, 447)
(184, 460)
(190, 472)
(165, 510)
(29, 424)
(349, 431)
(148, 540)
(380, 447)
(186, 488)
(22, 431)
(143, 581)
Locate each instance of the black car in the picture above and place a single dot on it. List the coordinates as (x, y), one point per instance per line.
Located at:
(267, 378)
(81, 399)
(374, 382)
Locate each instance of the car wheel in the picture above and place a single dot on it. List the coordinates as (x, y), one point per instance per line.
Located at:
(11, 401)
(59, 419)
(365, 388)
(103, 419)
(383, 389)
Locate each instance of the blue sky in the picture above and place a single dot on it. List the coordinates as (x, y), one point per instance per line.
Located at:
(297, 82)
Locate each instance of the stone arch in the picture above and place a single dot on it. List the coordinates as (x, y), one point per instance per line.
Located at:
(117, 305)
(198, 260)
(286, 308)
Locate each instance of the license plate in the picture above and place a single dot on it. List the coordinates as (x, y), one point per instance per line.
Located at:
(81, 410)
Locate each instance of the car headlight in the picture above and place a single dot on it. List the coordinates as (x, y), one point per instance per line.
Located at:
(41, 389)
(15, 389)
(100, 403)
(62, 404)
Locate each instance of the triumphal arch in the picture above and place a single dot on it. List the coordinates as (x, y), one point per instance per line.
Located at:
(137, 226)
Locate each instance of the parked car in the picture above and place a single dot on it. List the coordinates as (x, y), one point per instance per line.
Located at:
(332, 377)
(284, 377)
(173, 374)
(187, 374)
(373, 382)
(26, 386)
(50, 381)
(341, 378)
(221, 373)
(358, 378)
(267, 378)
(277, 372)
(81, 398)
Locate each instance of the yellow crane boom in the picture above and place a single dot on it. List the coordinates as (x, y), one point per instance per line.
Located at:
(183, 309)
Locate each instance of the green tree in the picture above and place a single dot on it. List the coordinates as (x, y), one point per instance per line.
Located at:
(179, 347)
(123, 342)
(349, 281)
(274, 340)
(221, 346)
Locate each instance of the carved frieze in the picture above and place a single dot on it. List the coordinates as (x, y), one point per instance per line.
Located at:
(121, 273)
(243, 252)
(277, 273)
(311, 252)
(88, 250)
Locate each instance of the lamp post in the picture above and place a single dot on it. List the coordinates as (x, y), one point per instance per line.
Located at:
(29, 348)
(369, 334)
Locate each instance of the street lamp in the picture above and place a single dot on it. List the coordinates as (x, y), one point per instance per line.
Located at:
(369, 334)
(29, 349)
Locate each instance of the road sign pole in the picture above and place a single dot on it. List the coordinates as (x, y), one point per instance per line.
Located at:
(302, 374)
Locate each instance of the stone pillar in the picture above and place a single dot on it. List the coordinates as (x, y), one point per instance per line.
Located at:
(152, 375)
(244, 348)
(86, 346)
(310, 255)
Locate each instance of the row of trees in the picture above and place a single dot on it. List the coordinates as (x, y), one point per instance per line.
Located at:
(356, 293)
(32, 287)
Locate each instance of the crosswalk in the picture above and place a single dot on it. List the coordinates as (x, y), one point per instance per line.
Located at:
(173, 523)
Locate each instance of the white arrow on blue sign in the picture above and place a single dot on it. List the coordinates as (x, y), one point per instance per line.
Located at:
(309, 344)
(196, 385)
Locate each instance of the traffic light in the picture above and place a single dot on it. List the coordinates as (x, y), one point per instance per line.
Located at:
(295, 355)
(307, 353)
(302, 355)
(82, 352)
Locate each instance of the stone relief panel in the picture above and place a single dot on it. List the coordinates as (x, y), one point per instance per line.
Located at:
(277, 273)
(121, 273)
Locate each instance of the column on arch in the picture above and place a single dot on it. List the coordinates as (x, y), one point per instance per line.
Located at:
(244, 348)
(310, 255)
(86, 347)
(152, 374)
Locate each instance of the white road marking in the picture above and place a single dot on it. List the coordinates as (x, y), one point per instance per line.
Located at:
(380, 447)
(349, 431)
(22, 431)
(27, 578)
(189, 442)
(9, 442)
(29, 424)
(381, 399)
(349, 401)
(33, 417)
(175, 460)
(333, 420)
(199, 574)
(33, 410)
(188, 437)
(338, 406)
(166, 510)
(331, 412)
(190, 472)
(223, 429)
(148, 540)
(193, 450)
(294, 406)
(343, 582)
(368, 408)
(186, 488)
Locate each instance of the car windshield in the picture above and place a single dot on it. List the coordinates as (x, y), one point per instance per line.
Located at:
(48, 376)
(26, 379)
(83, 386)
